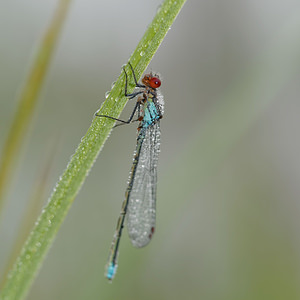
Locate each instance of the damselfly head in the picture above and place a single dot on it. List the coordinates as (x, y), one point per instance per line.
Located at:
(151, 81)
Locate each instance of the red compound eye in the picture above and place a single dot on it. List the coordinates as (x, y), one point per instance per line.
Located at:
(155, 82)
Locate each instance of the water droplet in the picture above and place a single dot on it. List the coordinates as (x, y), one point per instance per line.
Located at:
(142, 53)
(107, 94)
(113, 84)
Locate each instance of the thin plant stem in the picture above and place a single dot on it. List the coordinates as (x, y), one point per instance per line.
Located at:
(66, 189)
(29, 99)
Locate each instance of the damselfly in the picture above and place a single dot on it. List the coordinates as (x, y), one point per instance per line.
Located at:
(140, 196)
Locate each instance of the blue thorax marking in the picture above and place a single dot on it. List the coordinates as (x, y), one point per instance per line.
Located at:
(151, 114)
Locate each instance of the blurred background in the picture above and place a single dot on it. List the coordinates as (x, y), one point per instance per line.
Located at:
(229, 171)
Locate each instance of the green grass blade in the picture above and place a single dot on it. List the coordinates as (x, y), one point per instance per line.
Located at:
(29, 98)
(45, 230)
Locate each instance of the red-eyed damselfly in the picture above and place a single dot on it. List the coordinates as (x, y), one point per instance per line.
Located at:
(140, 197)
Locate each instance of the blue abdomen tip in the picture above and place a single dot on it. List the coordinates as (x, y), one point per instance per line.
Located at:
(111, 271)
